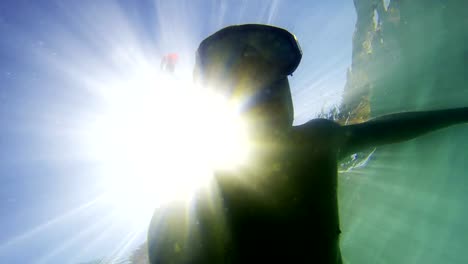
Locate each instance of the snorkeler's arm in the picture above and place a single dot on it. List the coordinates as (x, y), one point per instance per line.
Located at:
(398, 127)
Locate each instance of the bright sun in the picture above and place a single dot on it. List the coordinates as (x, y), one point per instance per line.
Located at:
(159, 138)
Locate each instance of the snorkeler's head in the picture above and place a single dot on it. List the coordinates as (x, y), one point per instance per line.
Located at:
(249, 64)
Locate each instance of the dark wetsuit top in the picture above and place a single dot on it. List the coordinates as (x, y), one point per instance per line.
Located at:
(282, 209)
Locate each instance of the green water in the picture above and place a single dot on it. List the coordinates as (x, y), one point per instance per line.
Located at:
(410, 203)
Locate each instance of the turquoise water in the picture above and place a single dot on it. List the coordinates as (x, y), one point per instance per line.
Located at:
(409, 204)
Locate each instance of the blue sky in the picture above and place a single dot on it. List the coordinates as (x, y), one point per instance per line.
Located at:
(56, 61)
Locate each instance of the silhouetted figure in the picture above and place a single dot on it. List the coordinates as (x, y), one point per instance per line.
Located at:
(169, 62)
(281, 207)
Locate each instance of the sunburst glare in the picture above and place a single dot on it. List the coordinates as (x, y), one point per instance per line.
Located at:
(159, 138)
(97, 135)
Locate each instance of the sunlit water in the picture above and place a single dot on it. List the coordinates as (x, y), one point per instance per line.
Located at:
(60, 65)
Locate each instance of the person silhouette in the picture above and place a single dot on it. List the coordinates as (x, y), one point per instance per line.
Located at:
(168, 62)
(281, 207)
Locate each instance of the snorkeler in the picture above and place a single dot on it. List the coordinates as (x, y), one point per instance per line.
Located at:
(282, 207)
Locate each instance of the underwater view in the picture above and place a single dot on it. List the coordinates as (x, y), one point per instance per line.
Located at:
(112, 112)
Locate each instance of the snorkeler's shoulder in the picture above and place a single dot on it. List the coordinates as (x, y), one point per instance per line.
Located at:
(185, 232)
(318, 126)
(166, 233)
(318, 130)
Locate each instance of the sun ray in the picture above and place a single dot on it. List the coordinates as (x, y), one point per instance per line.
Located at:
(40, 228)
(103, 224)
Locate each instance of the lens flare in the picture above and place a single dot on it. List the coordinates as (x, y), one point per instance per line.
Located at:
(160, 138)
